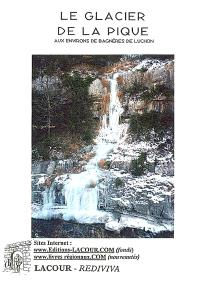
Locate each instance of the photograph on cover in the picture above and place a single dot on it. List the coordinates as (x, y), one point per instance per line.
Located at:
(103, 146)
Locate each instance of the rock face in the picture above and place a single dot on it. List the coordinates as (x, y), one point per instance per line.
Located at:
(150, 72)
(96, 88)
(138, 195)
(132, 105)
(100, 91)
(49, 167)
(147, 73)
(151, 194)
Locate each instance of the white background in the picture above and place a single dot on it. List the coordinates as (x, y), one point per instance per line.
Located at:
(29, 27)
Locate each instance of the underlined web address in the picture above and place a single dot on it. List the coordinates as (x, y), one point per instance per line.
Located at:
(74, 250)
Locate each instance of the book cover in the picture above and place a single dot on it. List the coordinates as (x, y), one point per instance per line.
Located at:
(98, 161)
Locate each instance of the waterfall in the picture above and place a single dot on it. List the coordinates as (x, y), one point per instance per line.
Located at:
(81, 196)
(81, 190)
(104, 122)
(115, 109)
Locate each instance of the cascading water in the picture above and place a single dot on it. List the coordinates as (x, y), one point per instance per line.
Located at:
(81, 190)
(115, 109)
